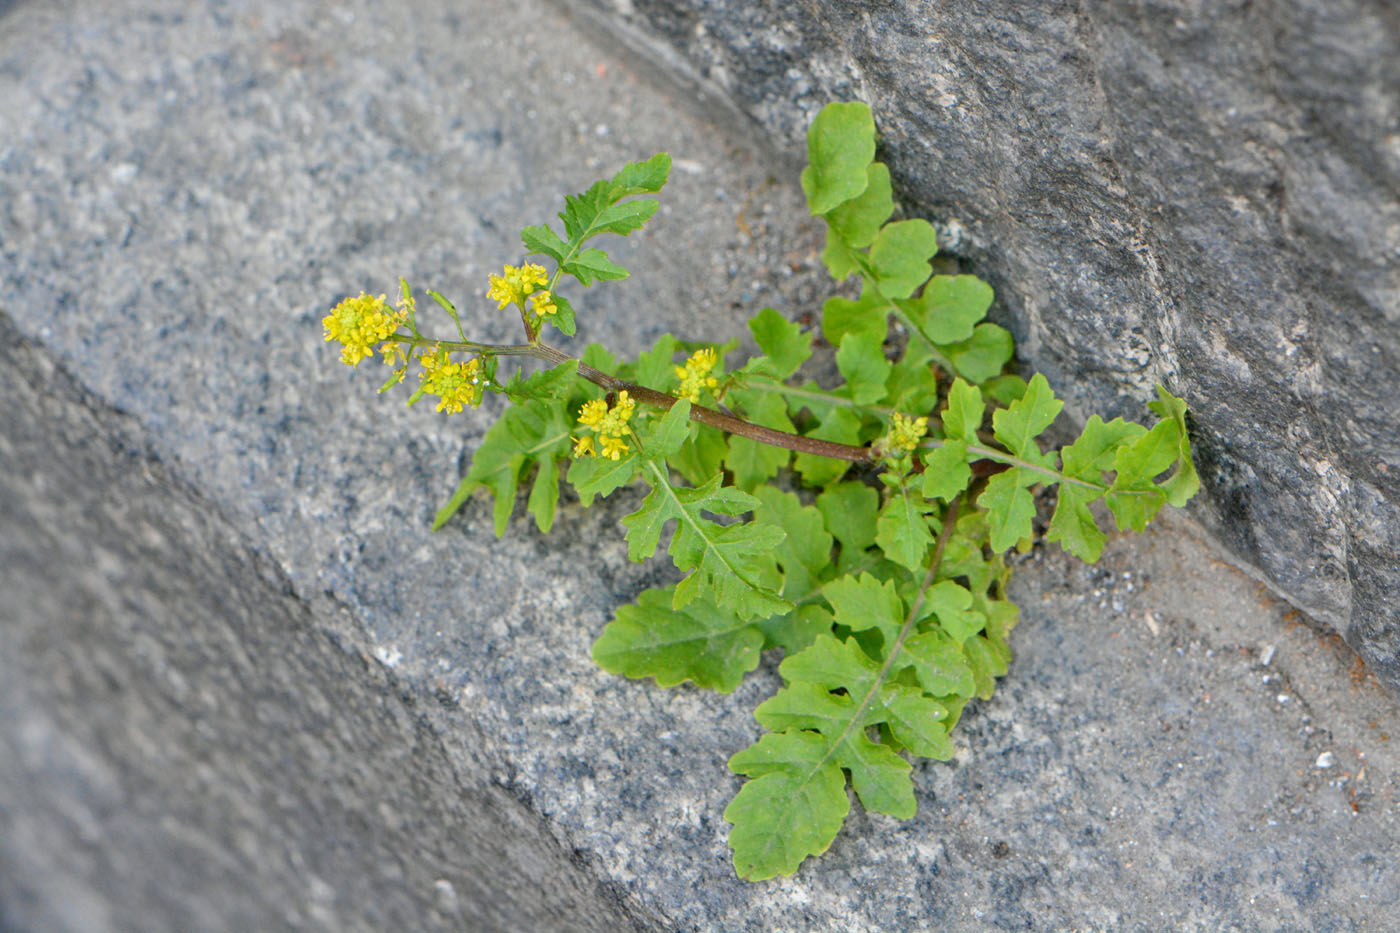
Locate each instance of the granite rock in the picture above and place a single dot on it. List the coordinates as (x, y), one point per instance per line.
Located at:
(238, 578)
(1206, 196)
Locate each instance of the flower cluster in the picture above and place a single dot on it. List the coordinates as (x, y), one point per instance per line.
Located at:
(358, 324)
(610, 426)
(905, 434)
(455, 384)
(516, 283)
(695, 374)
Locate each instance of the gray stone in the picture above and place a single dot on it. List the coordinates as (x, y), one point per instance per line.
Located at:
(1205, 195)
(249, 665)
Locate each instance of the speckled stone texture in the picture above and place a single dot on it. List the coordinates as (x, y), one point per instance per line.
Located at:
(1203, 195)
(242, 685)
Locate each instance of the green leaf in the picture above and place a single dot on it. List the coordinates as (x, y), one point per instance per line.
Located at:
(939, 663)
(1073, 524)
(699, 643)
(600, 358)
(806, 551)
(1097, 446)
(528, 434)
(599, 476)
(624, 218)
(849, 511)
(544, 494)
(900, 254)
(701, 456)
(950, 306)
(840, 144)
(917, 721)
(591, 265)
(861, 359)
(563, 317)
(857, 222)
(952, 605)
(962, 418)
(988, 661)
(666, 438)
(1019, 425)
(1184, 482)
(981, 356)
(842, 317)
(1010, 508)
(793, 807)
(866, 603)
(782, 341)
(647, 177)
(554, 383)
(946, 471)
(902, 530)
(542, 240)
(726, 560)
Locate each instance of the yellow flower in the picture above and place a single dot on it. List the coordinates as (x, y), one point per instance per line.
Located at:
(542, 303)
(695, 374)
(613, 447)
(360, 323)
(609, 424)
(455, 384)
(516, 283)
(905, 434)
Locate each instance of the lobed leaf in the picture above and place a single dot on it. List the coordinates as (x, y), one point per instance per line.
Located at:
(840, 145)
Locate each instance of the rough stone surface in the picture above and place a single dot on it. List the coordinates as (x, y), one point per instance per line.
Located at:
(1203, 195)
(185, 747)
(184, 189)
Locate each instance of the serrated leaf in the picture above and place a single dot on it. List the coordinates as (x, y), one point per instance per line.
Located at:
(916, 721)
(1097, 446)
(1184, 482)
(988, 661)
(700, 643)
(939, 664)
(554, 383)
(841, 261)
(647, 177)
(563, 317)
(842, 317)
(952, 605)
(797, 629)
(806, 551)
(600, 476)
(544, 494)
(624, 218)
(861, 359)
(701, 456)
(782, 341)
(600, 358)
(866, 603)
(856, 223)
(949, 307)
(1009, 507)
(670, 432)
(1073, 524)
(946, 471)
(840, 144)
(725, 559)
(849, 511)
(793, 808)
(900, 254)
(1019, 425)
(963, 416)
(527, 434)
(902, 531)
(542, 240)
(983, 355)
(591, 265)
(912, 384)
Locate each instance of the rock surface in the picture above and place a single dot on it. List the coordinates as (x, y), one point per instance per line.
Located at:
(242, 686)
(1206, 196)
